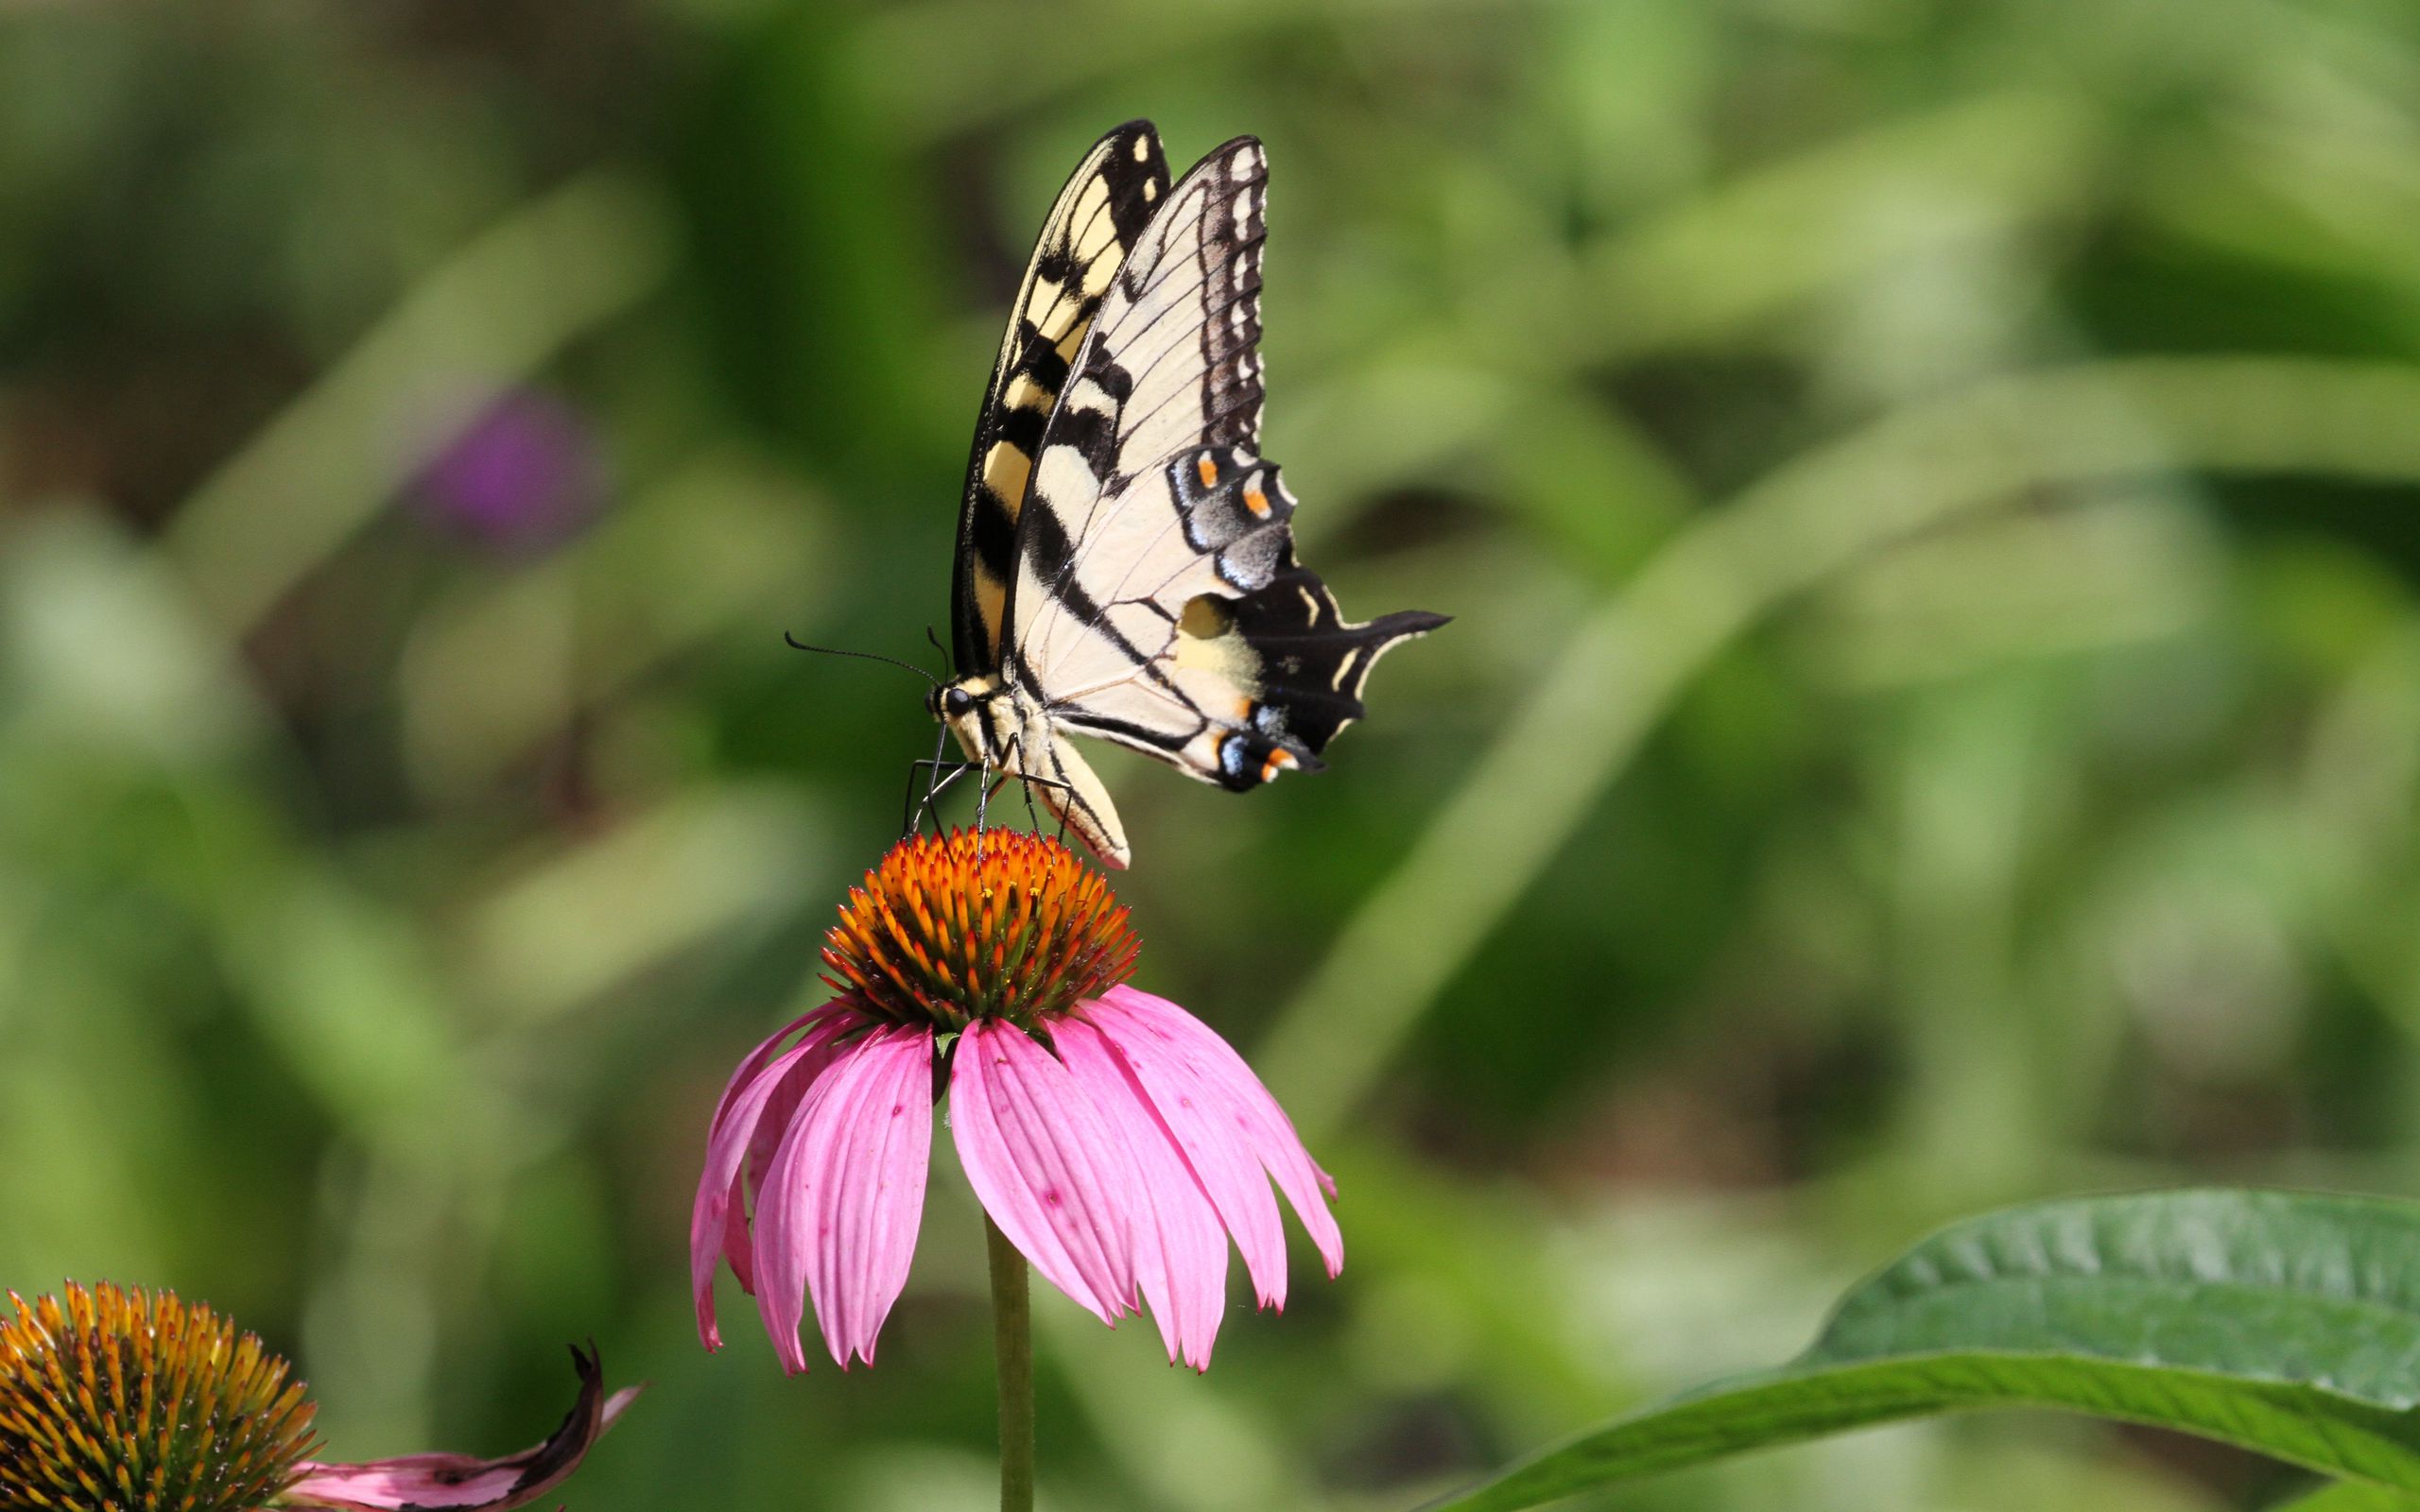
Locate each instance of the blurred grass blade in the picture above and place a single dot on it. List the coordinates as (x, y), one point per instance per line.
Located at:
(1789, 532)
(2284, 1323)
(1978, 170)
(659, 881)
(925, 70)
(1192, 1449)
(491, 315)
(498, 664)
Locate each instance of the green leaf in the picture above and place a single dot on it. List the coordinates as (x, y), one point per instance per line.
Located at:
(2352, 1496)
(2284, 1323)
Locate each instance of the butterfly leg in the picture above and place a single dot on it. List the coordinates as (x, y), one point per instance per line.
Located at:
(1012, 766)
(1025, 782)
(983, 809)
(941, 774)
(910, 816)
(1034, 820)
(1028, 782)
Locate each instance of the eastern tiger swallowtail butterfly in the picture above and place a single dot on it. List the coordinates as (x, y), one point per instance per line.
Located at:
(1125, 568)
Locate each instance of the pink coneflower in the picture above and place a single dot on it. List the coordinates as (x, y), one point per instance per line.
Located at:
(132, 1401)
(1113, 1139)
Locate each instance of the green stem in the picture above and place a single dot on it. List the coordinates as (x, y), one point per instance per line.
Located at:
(1013, 1346)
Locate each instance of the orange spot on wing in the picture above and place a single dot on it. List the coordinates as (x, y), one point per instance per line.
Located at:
(1208, 472)
(1256, 502)
(1279, 761)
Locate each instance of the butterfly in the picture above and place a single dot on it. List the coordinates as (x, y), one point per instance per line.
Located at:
(1125, 568)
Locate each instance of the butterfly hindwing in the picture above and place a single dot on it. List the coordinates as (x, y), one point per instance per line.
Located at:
(1158, 600)
(1106, 207)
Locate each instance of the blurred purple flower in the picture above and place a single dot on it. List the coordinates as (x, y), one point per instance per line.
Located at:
(524, 474)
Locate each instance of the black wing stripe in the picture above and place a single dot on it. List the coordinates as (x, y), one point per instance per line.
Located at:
(1022, 429)
(1129, 734)
(1131, 172)
(1060, 264)
(1047, 547)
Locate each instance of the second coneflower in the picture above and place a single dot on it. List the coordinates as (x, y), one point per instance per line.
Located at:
(123, 1400)
(1113, 1139)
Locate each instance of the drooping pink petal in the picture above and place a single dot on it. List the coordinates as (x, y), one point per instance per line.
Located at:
(1180, 1244)
(465, 1482)
(774, 1123)
(1199, 1117)
(737, 1251)
(717, 1222)
(758, 1059)
(1176, 1056)
(843, 1199)
(1046, 1166)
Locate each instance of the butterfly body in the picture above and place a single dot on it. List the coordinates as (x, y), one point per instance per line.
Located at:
(1126, 565)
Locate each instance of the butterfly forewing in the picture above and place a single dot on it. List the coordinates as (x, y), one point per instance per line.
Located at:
(1106, 206)
(1157, 601)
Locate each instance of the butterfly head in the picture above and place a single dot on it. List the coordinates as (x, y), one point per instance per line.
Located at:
(949, 703)
(977, 713)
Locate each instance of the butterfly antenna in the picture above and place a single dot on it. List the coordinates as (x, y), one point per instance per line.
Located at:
(797, 645)
(947, 661)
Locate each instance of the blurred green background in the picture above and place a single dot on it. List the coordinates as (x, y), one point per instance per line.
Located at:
(1927, 491)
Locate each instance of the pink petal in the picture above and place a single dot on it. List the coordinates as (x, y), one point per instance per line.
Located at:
(844, 1195)
(465, 1483)
(1200, 1119)
(1177, 1056)
(774, 1123)
(762, 1055)
(717, 1223)
(1043, 1162)
(735, 1249)
(1180, 1244)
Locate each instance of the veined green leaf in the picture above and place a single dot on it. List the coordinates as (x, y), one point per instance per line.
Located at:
(2352, 1496)
(2285, 1323)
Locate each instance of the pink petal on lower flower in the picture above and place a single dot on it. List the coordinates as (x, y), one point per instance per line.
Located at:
(737, 1249)
(770, 1125)
(1046, 1166)
(717, 1221)
(1180, 1244)
(844, 1195)
(867, 1182)
(465, 1483)
(758, 1059)
(1135, 1021)
(1185, 1096)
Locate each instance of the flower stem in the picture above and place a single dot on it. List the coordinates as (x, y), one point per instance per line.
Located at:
(1013, 1346)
